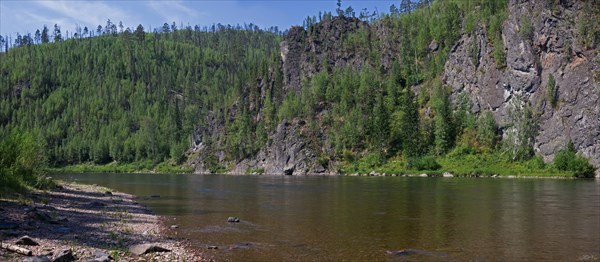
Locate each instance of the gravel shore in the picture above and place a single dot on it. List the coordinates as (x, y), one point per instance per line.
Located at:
(92, 223)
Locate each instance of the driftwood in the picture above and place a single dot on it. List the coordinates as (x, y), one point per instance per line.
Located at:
(16, 249)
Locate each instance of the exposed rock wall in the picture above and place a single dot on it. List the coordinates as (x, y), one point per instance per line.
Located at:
(288, 153)
(554, 49)
(305, 53)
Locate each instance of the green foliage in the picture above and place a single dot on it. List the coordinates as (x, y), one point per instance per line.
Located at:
(567, 159)
(488, 164)
(470, 22)
(495, 14)
(589, 31)
(443, 122)
(474, 51)
(552, 91)
(523, 130)
(498, 52)
(423, 163)
(486, 130)
(258, 170)
(22, 161)
(525, 27)
(129, 97)
(145, 166)
(134, 100)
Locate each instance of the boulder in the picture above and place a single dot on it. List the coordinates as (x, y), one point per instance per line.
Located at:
(233, 220)
(37, 259)
(447, 174)
(64, 256)
(27, 241)
(146, 249)
(433, 46)
(100, 256)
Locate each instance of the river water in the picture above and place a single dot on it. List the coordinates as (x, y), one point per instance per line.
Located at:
(285, 218)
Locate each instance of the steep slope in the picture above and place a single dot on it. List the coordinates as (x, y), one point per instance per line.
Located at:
(552, 48)
(538, 40)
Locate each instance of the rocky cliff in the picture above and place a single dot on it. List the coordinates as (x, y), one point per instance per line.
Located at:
(540, 41)
(553, 48)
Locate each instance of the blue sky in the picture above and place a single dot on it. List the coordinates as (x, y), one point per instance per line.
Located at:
(25, 16)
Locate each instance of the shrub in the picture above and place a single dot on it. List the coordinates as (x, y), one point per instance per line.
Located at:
(423, 163)
(22, 162)
(526, 29)
(536, 163)
(552, 92)
(568, 160)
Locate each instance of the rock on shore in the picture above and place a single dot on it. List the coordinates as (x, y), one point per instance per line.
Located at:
(83, 223)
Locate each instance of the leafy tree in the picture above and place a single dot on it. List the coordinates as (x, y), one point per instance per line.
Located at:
(139, 33)
(57, 34)
(166, 28)
(38, 36)
(522, 131)
(410, 134)
(443, 123)
(45, 37)
(339, 9)
(486, 130)
(567, 159)
(394, 10)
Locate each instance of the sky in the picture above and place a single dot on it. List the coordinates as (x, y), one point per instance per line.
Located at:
(25, 16)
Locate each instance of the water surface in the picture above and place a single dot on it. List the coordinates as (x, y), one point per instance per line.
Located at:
(361, 218)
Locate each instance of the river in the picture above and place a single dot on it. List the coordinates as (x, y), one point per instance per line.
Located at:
(285, 218)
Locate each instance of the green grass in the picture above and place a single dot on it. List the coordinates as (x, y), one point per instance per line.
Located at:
(496, 164)
(258, 170)
(135, 167)
(481, 164)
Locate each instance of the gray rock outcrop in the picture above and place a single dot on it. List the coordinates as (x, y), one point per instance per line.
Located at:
(288, 153)
(553, 49)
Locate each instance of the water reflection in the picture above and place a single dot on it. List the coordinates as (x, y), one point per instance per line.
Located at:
(358, 218)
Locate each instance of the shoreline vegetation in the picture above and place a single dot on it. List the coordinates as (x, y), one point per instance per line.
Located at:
(83, 223)
(567, 164)
(136, 167)
(503, 170)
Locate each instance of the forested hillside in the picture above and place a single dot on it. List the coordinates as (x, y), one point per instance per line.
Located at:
(130, 96)
(407, 91)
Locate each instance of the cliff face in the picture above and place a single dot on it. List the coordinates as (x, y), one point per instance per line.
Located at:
(552, 48)
(305, 53)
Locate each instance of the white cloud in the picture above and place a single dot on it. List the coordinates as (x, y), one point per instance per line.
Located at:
(173, 11)
(91, 13)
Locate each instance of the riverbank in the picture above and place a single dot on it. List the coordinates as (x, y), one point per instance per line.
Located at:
(83, 223)
(135, 167)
